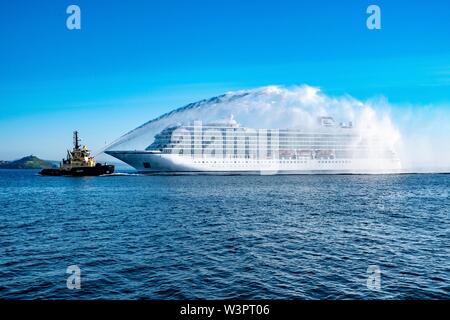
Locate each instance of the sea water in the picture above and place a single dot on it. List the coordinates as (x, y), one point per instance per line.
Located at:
(225, 237)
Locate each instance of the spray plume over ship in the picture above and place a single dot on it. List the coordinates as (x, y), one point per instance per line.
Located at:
(266, 130)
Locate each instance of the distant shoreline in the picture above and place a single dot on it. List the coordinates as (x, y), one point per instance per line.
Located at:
(28, 162)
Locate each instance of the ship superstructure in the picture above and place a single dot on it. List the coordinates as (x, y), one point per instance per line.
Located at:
(80, 156)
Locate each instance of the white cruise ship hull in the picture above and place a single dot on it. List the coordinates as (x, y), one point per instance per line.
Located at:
(155, 162)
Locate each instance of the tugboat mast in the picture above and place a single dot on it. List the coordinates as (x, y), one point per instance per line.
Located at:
(76, 140)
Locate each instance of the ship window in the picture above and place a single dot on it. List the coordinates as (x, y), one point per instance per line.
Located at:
(147, 165)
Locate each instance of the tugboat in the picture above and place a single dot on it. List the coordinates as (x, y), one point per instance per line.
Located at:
(79, 162)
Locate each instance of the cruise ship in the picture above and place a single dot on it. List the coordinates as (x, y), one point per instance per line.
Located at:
(226, 147)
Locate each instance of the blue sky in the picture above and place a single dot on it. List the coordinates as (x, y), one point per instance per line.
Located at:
(134, 60)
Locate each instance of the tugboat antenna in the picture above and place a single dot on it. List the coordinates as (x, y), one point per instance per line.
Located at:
(76, 140)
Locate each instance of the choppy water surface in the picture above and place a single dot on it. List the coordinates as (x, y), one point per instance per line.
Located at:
(220, 237)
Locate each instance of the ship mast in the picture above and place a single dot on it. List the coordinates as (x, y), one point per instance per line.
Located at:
(76, 140)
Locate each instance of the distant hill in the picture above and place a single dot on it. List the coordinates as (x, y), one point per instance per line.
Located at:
(30, 162)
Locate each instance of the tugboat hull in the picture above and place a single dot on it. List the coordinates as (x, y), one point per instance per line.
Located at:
(79, 172)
